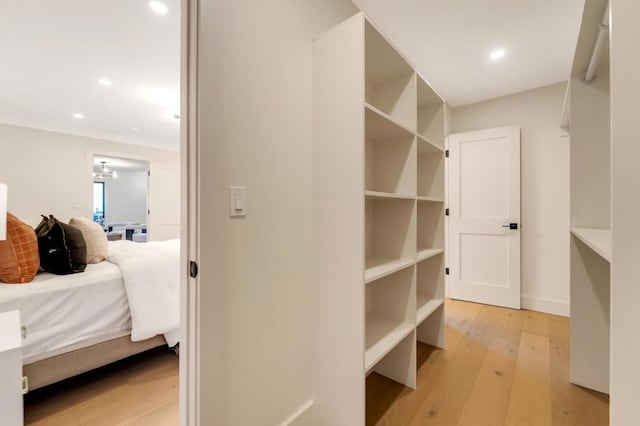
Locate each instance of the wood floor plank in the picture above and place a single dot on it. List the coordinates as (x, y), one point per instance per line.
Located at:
(445, 401)
(108, 396)
(489, 398)
(165, 415)
(571, 405)
(562, 403)
(390, 403)
(530, 396)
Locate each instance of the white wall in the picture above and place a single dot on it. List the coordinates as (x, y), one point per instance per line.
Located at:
(126, 197)
(545, 188)
(255, 69)
(50, 173)
(625, 151)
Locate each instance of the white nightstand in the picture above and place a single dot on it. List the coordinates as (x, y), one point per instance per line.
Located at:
(11, 403)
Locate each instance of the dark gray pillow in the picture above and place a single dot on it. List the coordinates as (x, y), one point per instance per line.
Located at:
(62, 247)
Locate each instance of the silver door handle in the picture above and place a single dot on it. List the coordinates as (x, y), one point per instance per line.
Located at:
(512, 225)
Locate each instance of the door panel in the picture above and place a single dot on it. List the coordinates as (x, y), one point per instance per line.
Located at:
(483, 189)
(483, 259)
(164, 201)
(484, 177)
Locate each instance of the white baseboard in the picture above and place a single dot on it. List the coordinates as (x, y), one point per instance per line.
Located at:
(549, 306)
(301, 417)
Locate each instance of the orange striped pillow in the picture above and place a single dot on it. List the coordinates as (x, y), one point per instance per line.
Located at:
(19, 259)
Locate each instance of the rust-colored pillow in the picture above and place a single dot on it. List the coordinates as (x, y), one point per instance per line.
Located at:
(19, 259)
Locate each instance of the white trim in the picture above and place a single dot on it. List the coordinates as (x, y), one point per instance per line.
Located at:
(189, 295)
(549, 306)
(301, 417)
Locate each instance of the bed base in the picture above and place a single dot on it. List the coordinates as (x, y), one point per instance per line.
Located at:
(63, 366)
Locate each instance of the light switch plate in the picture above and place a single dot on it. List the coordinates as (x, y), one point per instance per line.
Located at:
(237, 201)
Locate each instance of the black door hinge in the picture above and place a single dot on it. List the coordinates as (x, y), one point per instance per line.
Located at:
(446, 271)
(446, 212)
(148, 172)
(446, 153)
(193, 269)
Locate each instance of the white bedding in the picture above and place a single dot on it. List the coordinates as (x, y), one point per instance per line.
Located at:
(151, 276)
(64, 311)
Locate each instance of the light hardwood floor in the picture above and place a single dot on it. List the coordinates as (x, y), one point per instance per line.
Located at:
(501, 367)
(142, 390)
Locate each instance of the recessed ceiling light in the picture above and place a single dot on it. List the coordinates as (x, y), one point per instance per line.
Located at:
(497, 54)
(78, 115)
(159, 7)
(104, 82)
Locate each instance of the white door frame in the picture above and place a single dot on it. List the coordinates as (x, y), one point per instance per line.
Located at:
(448, 229)
(96, 152)
(189, 294)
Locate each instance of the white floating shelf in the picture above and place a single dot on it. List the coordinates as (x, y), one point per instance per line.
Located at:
(425, 145)
(378, 268)
(383, 125)
(388, 195)
(427, 306)
(431, 199)
(598, 240)
(428, 253)
(382, 335)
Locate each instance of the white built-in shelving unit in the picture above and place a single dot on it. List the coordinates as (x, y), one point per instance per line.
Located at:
(379, 213)
(586, 115)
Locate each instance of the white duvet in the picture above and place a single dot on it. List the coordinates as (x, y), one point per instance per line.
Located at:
(151, 275)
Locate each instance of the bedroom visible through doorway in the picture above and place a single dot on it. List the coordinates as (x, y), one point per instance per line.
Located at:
(90, 135)
(121, 197)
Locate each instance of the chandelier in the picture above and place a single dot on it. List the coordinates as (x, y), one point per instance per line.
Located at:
(105, 173)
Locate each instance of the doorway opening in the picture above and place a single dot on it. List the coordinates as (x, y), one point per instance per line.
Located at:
(121, 197)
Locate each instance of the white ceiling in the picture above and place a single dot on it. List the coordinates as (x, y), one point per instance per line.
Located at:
(53, 53)
(449, 42)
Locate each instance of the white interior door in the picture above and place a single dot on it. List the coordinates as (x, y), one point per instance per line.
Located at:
(164, 201)
(484, 216)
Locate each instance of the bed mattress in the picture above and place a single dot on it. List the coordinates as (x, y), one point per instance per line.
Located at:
(64, 313)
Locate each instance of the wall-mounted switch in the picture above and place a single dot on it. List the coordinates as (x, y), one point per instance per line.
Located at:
(237, 201)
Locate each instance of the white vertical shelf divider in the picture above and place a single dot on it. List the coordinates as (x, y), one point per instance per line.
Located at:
(587, 116)
(378, 225)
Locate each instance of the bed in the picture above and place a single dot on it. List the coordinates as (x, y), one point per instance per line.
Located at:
(75, 323)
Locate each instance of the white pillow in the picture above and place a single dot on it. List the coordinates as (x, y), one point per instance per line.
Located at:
(94, 235)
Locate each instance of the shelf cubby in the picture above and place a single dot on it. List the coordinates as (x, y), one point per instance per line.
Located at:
(430, 286)
(430, 173)
(431, 330)
(590, 316)
(430, 227)
(390, 82)
(399, 363)
(390, 314)
(431, 114)
(390, 236)
(598, 240)
(390, 156)
(425, 254)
